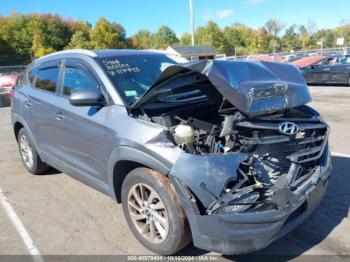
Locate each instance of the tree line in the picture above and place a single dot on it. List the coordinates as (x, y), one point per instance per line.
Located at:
(27, 36)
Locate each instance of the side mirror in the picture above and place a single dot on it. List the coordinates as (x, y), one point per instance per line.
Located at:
(86, 97)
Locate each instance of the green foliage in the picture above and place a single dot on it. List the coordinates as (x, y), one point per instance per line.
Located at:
(326, 35)
(23, 37)
(108, 35)
(43, 51)
(242, 40)
(274, 27)
(291, 39)
(263, 40)
(80, 39)
(234, 39)
(185, 39)
(142, 40)
(164, 37)
(211, 35)
(304, 37)
(78, 25)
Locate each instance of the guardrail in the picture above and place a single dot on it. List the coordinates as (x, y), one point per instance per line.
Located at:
(12, 69)
(289, 56)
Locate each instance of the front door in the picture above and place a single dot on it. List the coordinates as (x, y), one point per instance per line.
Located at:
(319, 74)
(80, 130)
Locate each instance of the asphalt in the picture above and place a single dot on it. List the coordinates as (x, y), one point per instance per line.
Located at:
(64, 217)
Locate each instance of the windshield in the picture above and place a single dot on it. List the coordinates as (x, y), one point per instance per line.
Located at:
(133, 75)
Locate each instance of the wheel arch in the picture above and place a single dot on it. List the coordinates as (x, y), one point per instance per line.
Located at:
(124, 159)
(16, 127)
(18, 122)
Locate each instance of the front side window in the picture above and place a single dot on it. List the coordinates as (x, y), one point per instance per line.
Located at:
(47, 79)
(133, 75)
(345, 60)
(77, 77)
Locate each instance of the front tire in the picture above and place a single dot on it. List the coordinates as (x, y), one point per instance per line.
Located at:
(29, 155)
(153, 212)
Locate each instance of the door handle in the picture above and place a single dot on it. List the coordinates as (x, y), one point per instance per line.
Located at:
(27, 104)
(59, 115)
(326, 69)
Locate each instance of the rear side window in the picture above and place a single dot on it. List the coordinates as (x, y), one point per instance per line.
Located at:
(77, 77)
(47, 79)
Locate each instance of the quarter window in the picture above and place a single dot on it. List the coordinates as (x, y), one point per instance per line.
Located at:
(47, 79)
(31, 76)
(76, 77)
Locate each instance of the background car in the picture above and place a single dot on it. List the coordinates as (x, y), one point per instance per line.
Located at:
(7, 82)
(325, 70)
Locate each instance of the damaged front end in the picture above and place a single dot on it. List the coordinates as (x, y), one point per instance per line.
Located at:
(279, 167)
(254, 158)
(241, 201)
(256, 166)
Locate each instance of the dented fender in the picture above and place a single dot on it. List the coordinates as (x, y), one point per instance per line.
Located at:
(207, 175)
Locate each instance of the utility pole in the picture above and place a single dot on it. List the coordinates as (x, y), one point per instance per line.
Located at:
(320, 43)
(192, 21)
(274, 44)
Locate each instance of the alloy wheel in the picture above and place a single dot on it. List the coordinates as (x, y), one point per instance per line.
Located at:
(26, 151)
(148, 213)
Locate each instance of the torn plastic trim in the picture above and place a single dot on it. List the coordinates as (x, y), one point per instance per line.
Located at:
(280, 196)
(206, 175)
(210, 173)
(277, 197)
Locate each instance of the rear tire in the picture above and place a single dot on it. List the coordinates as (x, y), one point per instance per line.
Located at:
(153, 212)
(29, 155)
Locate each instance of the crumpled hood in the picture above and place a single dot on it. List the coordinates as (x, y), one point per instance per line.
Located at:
(252, 87)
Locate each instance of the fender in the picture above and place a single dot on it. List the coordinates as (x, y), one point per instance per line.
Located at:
(121, 153)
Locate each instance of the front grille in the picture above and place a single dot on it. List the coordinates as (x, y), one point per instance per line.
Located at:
(274, 154)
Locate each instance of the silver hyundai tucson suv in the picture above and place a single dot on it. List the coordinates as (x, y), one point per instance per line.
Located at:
(224, 153)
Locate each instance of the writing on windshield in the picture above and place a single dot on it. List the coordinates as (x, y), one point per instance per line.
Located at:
(133, 75)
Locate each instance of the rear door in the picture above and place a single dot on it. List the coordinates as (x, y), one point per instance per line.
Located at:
(41, 100)
(317, 74)
(79, 131)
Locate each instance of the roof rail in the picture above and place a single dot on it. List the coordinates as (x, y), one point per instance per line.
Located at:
(70, 51)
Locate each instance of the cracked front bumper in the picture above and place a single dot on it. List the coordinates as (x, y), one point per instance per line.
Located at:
(238, 233)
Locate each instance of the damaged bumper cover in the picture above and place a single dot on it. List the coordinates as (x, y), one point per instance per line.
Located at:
(247, 231)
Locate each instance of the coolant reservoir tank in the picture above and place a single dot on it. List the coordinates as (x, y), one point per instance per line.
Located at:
(183, 134)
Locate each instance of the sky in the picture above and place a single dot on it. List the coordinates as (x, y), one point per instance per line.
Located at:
(151, 14)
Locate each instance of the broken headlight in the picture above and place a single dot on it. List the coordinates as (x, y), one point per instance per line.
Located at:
(237, 205)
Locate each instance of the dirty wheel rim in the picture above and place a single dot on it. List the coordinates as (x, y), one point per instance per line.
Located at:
(26, 151)
(148, 213)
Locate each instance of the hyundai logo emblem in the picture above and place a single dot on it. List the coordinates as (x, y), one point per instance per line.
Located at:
(288, 128)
